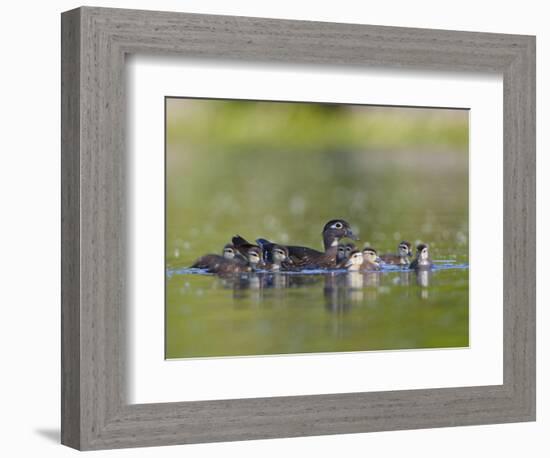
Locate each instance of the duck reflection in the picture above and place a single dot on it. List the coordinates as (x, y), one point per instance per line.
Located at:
(335, 292)
(245, 286)
(255, 285)
(423, 278)
(351, 289)
(341, 290)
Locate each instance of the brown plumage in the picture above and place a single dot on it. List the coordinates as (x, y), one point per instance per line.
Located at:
(208, 260)
(218, 264)
(304, 257)
(232, 260)
(251, 252)
(402, 257)
(276, 258)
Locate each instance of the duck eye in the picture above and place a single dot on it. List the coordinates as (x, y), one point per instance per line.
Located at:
(338, 225)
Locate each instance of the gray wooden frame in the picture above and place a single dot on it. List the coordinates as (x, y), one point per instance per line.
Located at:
(95, 412)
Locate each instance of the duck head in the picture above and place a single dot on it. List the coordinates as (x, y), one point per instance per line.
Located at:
(422, 253)
(279, 254)
(229, 251)
(254, 256)
(370, 255)
(404, 249)
(349, 248)
(355, 260)
(335, 230)
(341, 253)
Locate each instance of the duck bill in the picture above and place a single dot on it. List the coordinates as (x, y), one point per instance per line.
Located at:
(348, 263)
(351, 235)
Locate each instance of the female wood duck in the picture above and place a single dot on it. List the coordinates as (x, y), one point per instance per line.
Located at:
(304, 257)
(401, 258)
(422, 260)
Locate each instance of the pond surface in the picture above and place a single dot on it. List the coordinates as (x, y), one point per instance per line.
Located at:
(281, 313)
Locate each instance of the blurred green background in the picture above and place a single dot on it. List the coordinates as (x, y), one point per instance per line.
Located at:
(280, 171)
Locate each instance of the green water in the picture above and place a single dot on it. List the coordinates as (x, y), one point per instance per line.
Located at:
(257, 186)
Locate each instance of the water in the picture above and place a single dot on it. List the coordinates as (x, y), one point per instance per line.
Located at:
(281, 313)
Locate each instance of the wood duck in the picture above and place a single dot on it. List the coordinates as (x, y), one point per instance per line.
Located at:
(349, 247)
(365, 261)
(252, 253)
(219, 265)
(401, 258)
(304, 257)
(422, 260)
(341, 256)
(208, 260)
(371, 261)
(276, 258)
(224, 265)
(229, 251)
(343, 253)
(254, 258)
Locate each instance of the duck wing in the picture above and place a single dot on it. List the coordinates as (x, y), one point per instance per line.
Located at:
(207, 261)
(300, 256)
(303, 256)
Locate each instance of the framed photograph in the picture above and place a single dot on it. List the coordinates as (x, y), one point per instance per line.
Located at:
(279, 228)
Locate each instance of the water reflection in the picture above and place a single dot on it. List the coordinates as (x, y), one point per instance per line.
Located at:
(423, 278)
(341, 290)
(289, 312)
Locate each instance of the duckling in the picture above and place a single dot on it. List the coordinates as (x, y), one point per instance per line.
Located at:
(304, 257)
(229, 252)
(371, 261)
(365, 261)
(277, 258)
(254, 257)
(341, 256)
(422, 260)
(237, 265)
(355, 261)
(349, 247)
(209, 260)
(401, 258)
(242, 245)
